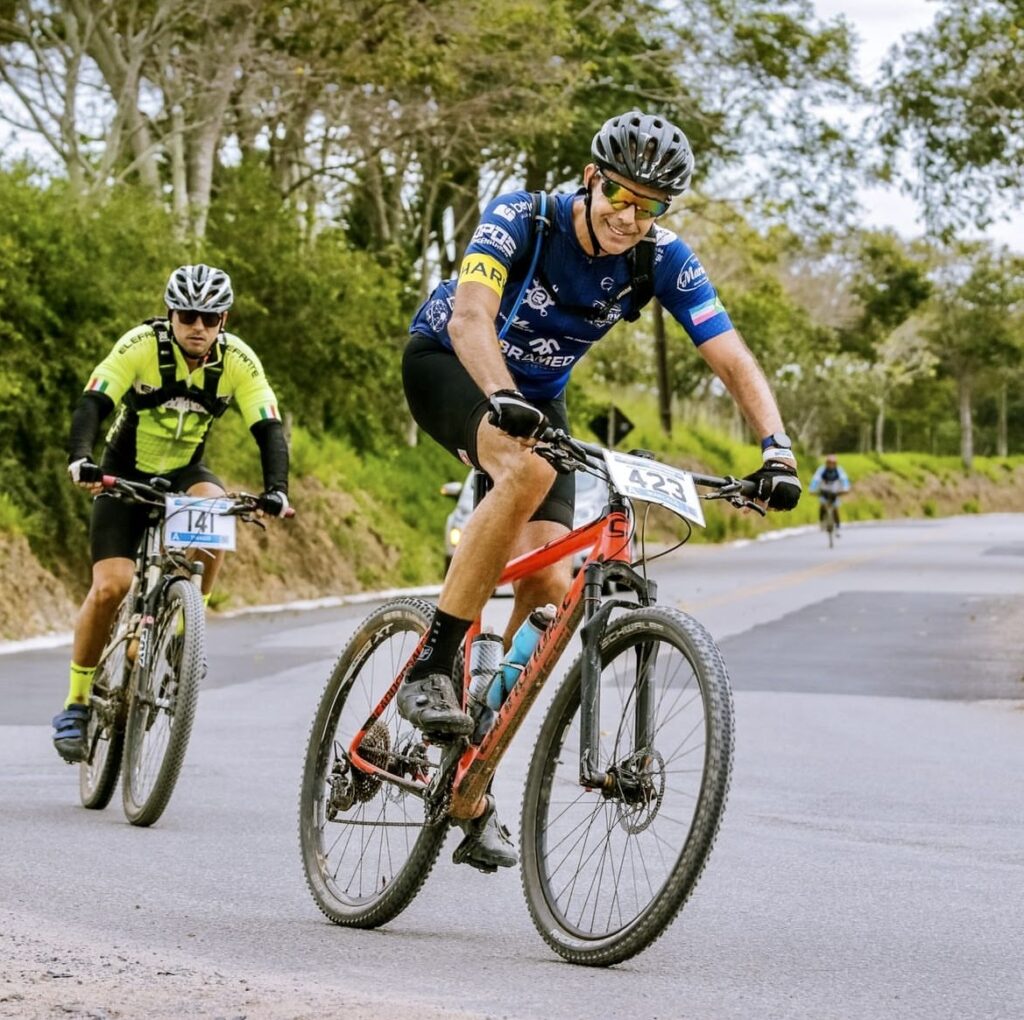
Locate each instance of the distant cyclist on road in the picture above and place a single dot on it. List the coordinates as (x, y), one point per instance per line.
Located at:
(171, 378)
(485, 399)
(829, 481)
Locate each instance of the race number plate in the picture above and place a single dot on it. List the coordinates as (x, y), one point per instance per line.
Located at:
(195, 522)
(655, 482)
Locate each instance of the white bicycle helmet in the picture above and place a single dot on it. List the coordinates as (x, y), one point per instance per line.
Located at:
(200, 287)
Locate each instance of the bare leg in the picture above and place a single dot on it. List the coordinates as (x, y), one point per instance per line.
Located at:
(548, 585)
(494, 530)
(111, 579)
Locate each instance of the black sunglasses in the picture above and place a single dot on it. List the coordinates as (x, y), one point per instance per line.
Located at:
(210, 319)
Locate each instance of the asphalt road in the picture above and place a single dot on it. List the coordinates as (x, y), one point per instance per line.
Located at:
(870, 863)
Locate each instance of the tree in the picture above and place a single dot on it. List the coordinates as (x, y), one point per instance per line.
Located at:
(953, 96)
(974, 319)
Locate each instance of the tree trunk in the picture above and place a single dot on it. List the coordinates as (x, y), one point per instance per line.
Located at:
(1002, 431)
(210, 107)
(661, 357)
(179, 175)
(966, 421)
(880, 428)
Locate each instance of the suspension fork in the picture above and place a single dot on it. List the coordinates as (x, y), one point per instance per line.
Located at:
(596, 614)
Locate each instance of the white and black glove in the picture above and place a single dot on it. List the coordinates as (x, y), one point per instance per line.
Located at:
(84, 472)
(777, 483)
(275, 503)
(515, 415)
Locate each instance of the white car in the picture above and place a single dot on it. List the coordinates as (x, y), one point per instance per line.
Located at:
(591, 498)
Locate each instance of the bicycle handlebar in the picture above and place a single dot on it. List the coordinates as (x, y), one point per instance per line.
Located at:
(566, 453)
(157, 489)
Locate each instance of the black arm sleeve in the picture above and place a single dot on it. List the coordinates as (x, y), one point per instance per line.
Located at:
(90, 411)
(269, 436)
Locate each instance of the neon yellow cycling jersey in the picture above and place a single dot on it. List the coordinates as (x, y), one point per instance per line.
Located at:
(169, 436)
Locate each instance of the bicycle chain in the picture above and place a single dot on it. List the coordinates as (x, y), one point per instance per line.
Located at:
(437, 808)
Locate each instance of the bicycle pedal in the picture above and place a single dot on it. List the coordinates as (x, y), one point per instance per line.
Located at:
(464, 858)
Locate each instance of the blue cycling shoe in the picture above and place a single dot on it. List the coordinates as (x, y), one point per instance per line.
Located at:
(70, 731)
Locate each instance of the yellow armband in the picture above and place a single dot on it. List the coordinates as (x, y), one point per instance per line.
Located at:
(485, 269)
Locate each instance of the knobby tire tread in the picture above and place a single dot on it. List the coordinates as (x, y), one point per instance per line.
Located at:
(192, 670)
(707, 661)
(96, 795)
(409, 880)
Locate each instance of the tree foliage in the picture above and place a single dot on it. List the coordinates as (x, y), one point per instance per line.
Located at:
(953, 96)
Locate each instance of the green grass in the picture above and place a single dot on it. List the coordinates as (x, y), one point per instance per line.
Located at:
(12, 517)
(394, 497)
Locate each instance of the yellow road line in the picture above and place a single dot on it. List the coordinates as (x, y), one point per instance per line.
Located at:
(796, 577)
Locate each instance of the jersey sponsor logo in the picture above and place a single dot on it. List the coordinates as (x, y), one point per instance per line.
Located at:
(543, 356)
(544, 346)
(493, 236)
(510, 210)
(237, 352)
(706, 311)
(538, 299)
(607, 315)
(691, 276)
(607, 283)
(181, 405)
(437, 314)
(485, 269)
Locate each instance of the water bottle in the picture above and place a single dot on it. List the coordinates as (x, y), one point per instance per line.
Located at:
(526, 640)
(484, 659)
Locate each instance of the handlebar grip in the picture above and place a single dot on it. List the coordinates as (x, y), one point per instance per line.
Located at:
(109, 481)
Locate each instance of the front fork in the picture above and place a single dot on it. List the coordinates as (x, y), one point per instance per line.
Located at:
(596, 614)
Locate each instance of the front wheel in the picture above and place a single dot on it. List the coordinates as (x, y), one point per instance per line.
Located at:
(163, 702)
(605, 871)
(367, 845)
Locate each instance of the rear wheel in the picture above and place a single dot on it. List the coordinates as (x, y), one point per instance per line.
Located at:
(367, 845)
(97, 775)
(163, 703)
(606, 871)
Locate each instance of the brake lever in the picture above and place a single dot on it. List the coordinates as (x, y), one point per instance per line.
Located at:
(742, 503)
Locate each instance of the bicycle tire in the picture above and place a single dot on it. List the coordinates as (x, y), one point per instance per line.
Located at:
(98, 775)
(164, 695)
(687, 668)
(362, 674)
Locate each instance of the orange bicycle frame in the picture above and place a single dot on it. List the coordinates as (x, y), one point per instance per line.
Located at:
(608, 540)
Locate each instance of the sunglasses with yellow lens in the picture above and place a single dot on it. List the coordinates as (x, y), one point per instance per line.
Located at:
(619, 196)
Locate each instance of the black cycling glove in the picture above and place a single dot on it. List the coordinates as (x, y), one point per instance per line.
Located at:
(515, 415)
(83, 471)
(274, 503)
(777, 484)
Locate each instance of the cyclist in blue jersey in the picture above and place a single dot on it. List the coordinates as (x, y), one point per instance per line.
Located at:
(485, 399)
(829, 481)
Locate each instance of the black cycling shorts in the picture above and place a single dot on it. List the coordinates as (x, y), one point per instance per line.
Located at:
(117, 526)
(448, 406)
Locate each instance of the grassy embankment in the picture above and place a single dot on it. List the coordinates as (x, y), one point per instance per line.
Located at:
(376, 522)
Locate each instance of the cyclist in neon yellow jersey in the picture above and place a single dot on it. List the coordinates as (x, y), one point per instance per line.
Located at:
(170, 379)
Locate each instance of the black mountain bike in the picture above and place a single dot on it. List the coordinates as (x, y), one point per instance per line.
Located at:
(144, 692)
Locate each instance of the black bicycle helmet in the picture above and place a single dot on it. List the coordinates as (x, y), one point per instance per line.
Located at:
(199, 287)
(645, 149)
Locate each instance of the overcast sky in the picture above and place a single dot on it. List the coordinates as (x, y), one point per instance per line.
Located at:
(879, 24)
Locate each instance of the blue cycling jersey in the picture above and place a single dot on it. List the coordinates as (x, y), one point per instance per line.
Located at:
(568, 305)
